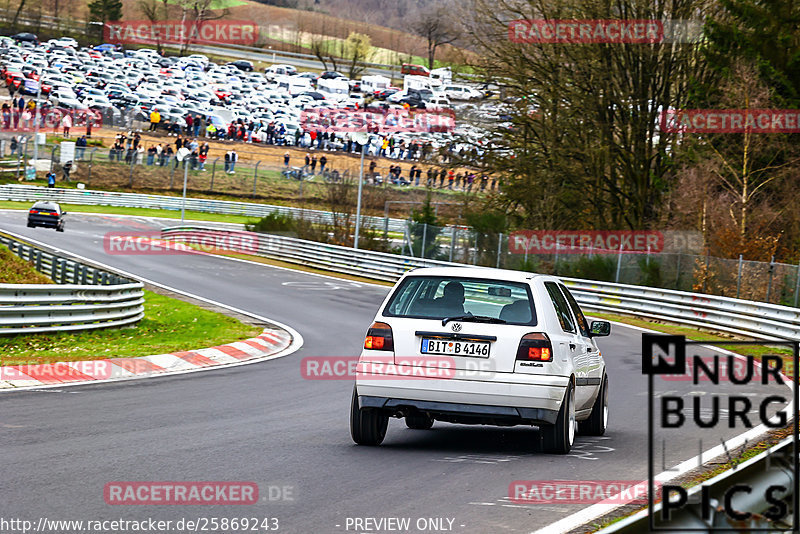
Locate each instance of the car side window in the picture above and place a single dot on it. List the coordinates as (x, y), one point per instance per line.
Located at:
(561, 306)
(583, 324)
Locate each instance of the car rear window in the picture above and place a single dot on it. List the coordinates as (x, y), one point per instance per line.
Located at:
(437, 297)
(46, 206)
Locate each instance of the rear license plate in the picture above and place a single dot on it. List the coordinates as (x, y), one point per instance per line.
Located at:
(472, 349)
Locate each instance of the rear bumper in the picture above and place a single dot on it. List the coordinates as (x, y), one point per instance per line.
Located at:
(513, 398)
(460, 412)
(49, 222)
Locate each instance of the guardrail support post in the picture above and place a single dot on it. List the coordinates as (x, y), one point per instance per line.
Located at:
(739, 277)
(255, 178)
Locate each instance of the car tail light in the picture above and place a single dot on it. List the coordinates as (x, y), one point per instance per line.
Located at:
(379, 337)
(33, 212)
(535, 347)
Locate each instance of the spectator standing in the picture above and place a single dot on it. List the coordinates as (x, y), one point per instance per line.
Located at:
(234, 159)
(80, 147)
(189, 123)
(286, 157)
(313, 163)
(151, 155)
(155, 118)
(204, 148)
(66, 170)
(228, 162)
(66, 124)
(451, 176)
(322, 162)
(51, 179)
(197, 124)
(484, 181)
(442, 174)
(14, 144)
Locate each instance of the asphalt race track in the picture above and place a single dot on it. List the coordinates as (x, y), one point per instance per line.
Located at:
(265, 423)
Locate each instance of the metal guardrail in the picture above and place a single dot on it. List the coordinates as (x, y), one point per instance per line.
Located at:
(754, 319)
(85, 298)
(30, 193)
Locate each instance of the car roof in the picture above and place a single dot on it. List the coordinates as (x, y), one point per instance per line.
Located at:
(477, 272)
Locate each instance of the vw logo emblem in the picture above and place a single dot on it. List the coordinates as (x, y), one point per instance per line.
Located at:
(456, 327)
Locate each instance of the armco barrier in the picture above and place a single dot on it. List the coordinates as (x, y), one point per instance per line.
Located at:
(84, 298)
(754, 319)
(29, 193)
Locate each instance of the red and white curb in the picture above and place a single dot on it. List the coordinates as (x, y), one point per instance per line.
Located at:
(270, 343)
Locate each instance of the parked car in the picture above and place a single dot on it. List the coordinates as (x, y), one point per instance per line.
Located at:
(243, 65)
(26, 37)
(46, 214)
(481, 346)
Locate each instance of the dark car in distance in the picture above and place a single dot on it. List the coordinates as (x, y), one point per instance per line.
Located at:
(47, 214)
(242, 64)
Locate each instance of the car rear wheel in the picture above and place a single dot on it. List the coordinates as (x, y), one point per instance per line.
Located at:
(60, 227)
(598, 420)
(419, 421)
(558, 438)
(367, 426)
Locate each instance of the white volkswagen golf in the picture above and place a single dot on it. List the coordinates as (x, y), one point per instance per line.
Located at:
(472, 345)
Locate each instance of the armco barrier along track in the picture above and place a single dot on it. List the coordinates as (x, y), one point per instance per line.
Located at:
(83, 298)
(754, 319)
(29, 193)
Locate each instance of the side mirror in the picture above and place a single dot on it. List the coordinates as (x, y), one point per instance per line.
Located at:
(600, 328)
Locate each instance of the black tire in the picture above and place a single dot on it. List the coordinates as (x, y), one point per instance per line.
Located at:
(31, 225)
(558, 438)
(597, 422)
(419, 421)
(367, 426)
(60, 227)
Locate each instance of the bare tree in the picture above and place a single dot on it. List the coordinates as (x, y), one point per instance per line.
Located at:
(436, 27)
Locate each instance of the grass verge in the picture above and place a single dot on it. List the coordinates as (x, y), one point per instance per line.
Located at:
(15, 270)
(169, 325)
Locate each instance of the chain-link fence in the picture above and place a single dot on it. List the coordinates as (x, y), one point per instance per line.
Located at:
(773, 282)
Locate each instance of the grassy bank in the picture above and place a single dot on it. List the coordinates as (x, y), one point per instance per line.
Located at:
(169, 325)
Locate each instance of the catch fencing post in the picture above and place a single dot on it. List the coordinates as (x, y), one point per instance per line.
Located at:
(619, 264)
(424, 238)
(499, 248)
(797, 285)
(91, 157)
(771, 272)
(739, 277)
(213, 171)
(255, 178)
(452, 243)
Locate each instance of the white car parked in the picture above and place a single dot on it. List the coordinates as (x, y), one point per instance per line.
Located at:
(481, 346)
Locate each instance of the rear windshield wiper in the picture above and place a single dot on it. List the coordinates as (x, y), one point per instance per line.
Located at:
(473, 318)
